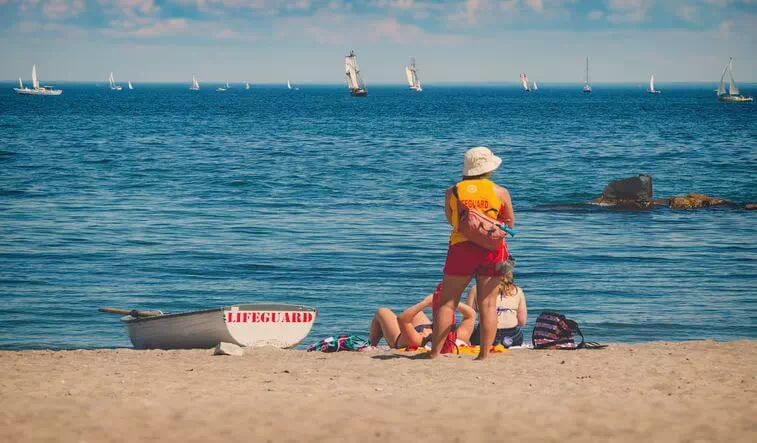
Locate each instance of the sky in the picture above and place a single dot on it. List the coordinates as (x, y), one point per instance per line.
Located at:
(461, 41)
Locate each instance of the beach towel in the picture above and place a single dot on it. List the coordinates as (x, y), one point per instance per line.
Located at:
(460, 349)
(340, 343)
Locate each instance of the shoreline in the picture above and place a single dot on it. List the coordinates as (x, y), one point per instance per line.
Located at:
(660, 391)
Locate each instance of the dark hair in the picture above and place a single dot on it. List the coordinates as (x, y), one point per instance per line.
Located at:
(479, 176)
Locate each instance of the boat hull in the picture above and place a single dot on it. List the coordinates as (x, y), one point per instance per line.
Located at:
(250, 325)
(735, 98)
(27, 91)
(359, 92)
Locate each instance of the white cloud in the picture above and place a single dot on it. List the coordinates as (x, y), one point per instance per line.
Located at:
(687, 12)
(62, 9)
(595, 15)
(536, 5)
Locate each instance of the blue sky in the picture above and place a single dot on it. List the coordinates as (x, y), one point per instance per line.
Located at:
(265, 41)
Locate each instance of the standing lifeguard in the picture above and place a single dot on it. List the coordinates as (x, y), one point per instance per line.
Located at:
(466, 259)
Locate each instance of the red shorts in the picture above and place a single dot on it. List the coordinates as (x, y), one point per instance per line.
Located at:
(467, 258)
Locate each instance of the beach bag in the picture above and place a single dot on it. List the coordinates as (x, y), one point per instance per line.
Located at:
(555, 331)
(477, 227)
(340, 343)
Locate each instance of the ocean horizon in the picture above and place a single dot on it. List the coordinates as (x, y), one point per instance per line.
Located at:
(161, 198)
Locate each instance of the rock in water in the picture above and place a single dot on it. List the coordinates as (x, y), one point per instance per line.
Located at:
(632, 193)
(224, 348)
(695, 201)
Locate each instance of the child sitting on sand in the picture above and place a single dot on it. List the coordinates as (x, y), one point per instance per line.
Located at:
(412, 328)
(511, 312)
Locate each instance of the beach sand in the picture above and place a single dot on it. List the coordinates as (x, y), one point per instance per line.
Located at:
(693, 391)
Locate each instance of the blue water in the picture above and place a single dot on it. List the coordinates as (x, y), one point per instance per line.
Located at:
(160, 198)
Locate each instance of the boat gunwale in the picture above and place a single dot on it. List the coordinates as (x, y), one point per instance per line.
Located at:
(128, 319)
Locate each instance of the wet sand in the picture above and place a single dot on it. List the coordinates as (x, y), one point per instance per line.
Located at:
(693, 391)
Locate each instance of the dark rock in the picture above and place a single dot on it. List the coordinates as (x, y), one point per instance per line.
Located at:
(632, 193)
(750, 206)
(696, 201)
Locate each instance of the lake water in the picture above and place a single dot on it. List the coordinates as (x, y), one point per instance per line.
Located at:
(161, 198)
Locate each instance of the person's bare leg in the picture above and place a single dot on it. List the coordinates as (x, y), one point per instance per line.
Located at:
(452, 290)
(487, 312)
(384, 324)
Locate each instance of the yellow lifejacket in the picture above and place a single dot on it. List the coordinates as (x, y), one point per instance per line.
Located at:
(479, 195)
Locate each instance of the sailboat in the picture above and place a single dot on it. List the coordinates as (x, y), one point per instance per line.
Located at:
(587, 88)
(246, 86)
(112, 84)
(412, 76)
(535, 88)
(195, 83)
(354, 81)
(289, 85)
(652, 90)
(130, 86)
(223, 88)
(733, 95)
(36, 89)
(524, 82)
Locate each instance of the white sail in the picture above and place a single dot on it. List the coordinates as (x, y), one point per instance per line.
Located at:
(352, 72)
(246, 85)
(130, 86)
(536, 88)
(20, 83)
(524, 81)
(289, 84)
(195, 83)
(409, 75)
(587, 87)
(651, 83)
(732, 88)
(721, 87)
(35, 80)
(111, 82)
(227, 85)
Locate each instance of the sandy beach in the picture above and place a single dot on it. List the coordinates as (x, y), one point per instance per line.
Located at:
(693, 391)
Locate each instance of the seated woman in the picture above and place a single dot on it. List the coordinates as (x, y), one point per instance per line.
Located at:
(511, 312)
(412, 328)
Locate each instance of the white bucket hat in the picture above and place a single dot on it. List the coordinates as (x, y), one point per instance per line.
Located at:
(480, 160)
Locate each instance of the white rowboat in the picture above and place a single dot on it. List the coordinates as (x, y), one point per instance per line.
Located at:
(250, 325)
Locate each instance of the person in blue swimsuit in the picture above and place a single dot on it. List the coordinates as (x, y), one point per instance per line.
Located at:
(412, 328)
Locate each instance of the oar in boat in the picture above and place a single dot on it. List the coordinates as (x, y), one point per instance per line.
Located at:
(133, 312)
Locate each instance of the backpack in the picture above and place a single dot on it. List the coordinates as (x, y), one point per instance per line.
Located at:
(477, 227)
(555, 331)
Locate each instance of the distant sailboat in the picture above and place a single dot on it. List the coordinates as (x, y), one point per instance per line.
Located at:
(195, 83)
(223, 88)
(524, 82)
(536, 88)
(587, 88)
(130, 86)
(112, 83)
(289, 85)
(36, 89)
(652, 90)
(733, 95)
(354, 81)
(246, 86)
(412, 76)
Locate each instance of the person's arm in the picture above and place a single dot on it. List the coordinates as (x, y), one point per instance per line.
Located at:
(522, 309)
(470, 300)
(465, 329)
(507, 215)
(405, 321)
(449, 200)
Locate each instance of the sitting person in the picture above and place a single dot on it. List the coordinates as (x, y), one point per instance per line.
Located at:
(511, 312)
(412, 328)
